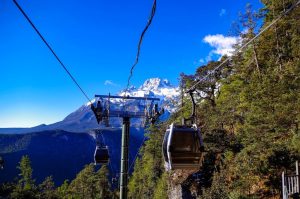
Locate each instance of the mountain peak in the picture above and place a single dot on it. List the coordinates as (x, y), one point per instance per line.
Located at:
(155, 83)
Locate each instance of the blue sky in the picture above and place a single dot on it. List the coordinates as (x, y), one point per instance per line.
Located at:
(97, 41)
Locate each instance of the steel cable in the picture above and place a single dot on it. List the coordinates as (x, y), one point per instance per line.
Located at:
(52, 51)
(139, 45)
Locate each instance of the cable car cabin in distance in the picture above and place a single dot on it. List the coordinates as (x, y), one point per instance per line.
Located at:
(101, 155)
(1, 163)
(182, 147)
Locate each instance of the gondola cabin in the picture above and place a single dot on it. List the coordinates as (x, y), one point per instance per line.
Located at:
(1, 163)
(101, 155)
(182, 147)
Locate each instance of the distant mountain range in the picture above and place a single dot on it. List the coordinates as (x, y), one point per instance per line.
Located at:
(82, 119)
(63, 148)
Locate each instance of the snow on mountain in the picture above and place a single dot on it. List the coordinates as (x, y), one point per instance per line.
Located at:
(156, 84)
(157, 87)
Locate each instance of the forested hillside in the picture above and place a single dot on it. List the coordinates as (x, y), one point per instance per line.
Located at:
(248, 111)
(89, 183)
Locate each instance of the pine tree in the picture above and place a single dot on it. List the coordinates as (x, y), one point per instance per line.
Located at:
(63, 190)
(103, 188)
(25, 187)
(90, 184)
(47, 189)
(161, 190)
(219, 188)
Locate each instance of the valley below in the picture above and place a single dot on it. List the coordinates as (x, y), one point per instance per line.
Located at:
(61, 154)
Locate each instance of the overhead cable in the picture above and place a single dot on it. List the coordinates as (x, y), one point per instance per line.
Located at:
(52, 51)
(153, 10)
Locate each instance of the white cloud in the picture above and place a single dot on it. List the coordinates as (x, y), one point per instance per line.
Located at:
(199, 62)
(222, 12)
(208, 58)
(221, 45)
(110, 83)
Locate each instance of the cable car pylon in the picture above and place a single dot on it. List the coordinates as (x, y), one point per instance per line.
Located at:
(103, 113)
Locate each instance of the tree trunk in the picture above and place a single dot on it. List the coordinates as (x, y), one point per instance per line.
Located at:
(256, 59)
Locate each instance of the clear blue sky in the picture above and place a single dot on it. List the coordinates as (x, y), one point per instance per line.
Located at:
(97, 41)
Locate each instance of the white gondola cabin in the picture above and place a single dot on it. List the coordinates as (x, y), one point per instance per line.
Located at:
(182, 147)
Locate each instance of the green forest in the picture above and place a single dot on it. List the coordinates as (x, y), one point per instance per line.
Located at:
(249, 117)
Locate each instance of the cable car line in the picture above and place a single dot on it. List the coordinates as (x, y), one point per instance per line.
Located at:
(109, 163)
(52, 51)
(104, 142)
(101, 154)
(140, 43)
(245, 45)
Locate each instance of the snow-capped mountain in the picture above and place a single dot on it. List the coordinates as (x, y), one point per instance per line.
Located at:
(83, 119)
(156, 87)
